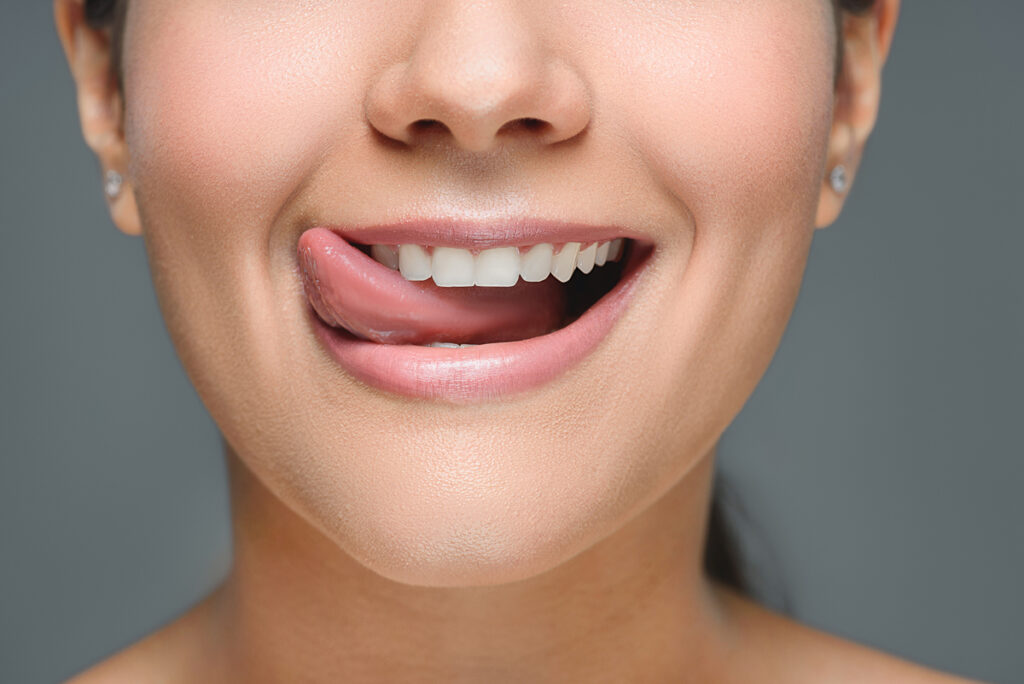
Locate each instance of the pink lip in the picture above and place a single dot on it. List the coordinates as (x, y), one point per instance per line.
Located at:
(486, 371)
(481, 235)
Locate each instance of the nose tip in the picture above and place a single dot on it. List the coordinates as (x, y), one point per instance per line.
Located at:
(477, 83)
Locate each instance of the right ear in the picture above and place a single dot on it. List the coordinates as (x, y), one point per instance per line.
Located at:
(88, 51)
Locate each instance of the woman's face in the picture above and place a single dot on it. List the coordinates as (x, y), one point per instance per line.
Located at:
(697, 128)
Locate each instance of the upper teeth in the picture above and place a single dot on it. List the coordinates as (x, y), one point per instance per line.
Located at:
(496, 267)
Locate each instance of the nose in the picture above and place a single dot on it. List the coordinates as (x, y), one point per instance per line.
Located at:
(478, 76)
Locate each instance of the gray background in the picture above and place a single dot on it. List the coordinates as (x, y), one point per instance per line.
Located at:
(880, 461)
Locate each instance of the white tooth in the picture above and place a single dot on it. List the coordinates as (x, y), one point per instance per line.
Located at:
(602, 253)
(585, 259)
(413, 262)
(498, 267)
(385, 254)
(453, 267)
(448, 345)
(615, 250)
(536, 264)
(564, 263)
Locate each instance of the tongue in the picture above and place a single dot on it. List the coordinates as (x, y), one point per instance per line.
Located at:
(349, 289)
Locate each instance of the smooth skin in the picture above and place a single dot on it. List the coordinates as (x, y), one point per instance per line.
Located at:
(554, 536)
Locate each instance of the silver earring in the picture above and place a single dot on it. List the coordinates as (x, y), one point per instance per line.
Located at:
(839, 180)
(112, 182)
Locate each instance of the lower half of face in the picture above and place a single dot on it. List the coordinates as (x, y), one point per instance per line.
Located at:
(284, 154)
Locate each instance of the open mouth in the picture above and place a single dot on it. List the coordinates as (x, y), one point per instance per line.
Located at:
(481, 321)
(530, 290)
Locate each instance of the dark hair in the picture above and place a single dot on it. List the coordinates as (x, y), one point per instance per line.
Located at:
(723, 559)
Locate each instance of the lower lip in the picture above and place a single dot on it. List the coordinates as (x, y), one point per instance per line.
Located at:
(487, 371)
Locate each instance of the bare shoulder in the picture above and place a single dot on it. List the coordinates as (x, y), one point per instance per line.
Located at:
(174, 653)
(788, 651)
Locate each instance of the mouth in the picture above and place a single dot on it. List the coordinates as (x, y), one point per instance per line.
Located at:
(464, 313)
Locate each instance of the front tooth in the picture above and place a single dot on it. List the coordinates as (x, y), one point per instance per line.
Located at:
(413, 262)
(564, 263)
(602, 254)
(444, 345)
(498, 267)
(536, 264)
(385, 254)
(615, 250)
(585, 259)
(453, 267)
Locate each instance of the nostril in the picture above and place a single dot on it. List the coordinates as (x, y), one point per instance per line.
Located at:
(526, 123)
(426, 129)
(424, 125)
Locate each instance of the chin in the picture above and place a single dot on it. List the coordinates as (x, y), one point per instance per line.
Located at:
(413, 529)
(470, 556)
(484, 541)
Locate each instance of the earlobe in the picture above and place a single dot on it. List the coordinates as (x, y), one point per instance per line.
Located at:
(88, 51)
(841, 165)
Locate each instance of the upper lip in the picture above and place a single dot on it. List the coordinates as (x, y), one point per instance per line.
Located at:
(482, 234)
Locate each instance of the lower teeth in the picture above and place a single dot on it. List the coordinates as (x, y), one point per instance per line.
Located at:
(448, 345)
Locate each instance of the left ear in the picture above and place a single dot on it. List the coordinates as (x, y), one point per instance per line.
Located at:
(866, 41)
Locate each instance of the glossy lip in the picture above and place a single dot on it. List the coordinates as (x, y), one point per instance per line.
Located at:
(487, 371)
(469, 234)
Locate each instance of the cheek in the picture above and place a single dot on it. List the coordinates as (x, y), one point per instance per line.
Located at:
(228, 110)
(730, 114)
(232, 105)
(733, 105)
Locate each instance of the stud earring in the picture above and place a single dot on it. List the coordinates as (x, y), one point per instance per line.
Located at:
(838, 179)
(112, 182)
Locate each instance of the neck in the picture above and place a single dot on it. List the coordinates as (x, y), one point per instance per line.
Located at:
(635, 606)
